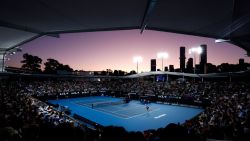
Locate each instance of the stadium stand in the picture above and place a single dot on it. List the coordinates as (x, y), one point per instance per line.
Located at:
(26, 116)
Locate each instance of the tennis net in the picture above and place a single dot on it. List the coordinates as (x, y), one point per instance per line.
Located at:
(106, 103)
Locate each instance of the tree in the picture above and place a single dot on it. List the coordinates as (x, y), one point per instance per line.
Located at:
(32, 63)
(225, 67)
(211, 68)
(121, 73)
(132, 72)
(109, 72)
(65, 68)
(95, 73)
(52, 66)
(115, 72)
(103, 73)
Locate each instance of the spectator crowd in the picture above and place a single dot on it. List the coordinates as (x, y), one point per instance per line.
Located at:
(25, 115)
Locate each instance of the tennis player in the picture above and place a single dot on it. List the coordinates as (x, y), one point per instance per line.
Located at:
(147, 107)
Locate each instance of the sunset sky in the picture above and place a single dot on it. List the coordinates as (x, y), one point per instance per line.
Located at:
(96, 51)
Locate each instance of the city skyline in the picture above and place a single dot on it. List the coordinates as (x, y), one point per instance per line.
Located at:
(97, 51)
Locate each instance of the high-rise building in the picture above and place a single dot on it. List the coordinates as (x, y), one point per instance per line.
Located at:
(190, 65)
(242, 65)
(2, 62)
(182, 59)
(171, 68)
(241, 61)
(203, 59)
(153, 65)
(166, 68)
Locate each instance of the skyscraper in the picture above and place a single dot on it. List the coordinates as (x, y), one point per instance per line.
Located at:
(171, 68)
(166, 68)
(190, 65)
(182, 59)
(203, 59)
(153, 65)
(242, 65)
(241, 61)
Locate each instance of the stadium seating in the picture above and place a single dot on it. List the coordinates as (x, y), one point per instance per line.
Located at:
(26, 116)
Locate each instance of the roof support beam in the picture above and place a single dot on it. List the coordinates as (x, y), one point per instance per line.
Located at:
(92, 30)
(19, 27)
(148, 11)
(26, 29)
(237, 22)
(23, 42)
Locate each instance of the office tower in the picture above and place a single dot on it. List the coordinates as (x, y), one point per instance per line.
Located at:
(182, 59)
(171, 68)
(190, 65)
(241, 61)
(153, 65)
(166, 68)
(242, 65)
(203, 59)
(2, 62)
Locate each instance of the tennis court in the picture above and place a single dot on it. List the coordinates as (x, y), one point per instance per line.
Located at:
(133, 116)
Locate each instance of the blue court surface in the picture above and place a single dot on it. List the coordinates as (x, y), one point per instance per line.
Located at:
(133, 116)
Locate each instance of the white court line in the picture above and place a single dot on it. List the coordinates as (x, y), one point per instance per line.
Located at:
(87, 101)
(115, 114)
(90, 101)
(144, 113)
(162, 115)
(124, 109)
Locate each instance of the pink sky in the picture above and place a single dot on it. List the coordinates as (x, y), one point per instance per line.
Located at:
(115, 49)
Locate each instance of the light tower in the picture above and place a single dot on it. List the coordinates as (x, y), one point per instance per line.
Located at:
(162, 55)
(137, 60)
(195, 50)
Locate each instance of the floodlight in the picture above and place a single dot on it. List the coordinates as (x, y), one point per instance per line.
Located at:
(137, 59)
(162, 55)
(221, 40)
(197, 50)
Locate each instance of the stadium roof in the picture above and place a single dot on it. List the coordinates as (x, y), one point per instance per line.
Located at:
(244, 74)
(23, 21)
(209, 75)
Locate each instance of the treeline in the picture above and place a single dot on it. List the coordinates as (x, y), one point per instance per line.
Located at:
(110, 72)
(33, 64)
